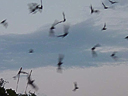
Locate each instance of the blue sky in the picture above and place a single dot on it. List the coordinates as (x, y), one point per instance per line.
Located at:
(26, 31)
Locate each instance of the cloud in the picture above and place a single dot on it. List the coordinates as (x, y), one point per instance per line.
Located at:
(82, 36)
(76, 46)
(95, 76)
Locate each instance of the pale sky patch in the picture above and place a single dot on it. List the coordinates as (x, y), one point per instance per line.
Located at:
(97, 81)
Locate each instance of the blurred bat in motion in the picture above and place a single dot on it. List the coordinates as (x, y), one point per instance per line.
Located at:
(61, 57)
(105, 7)
(104, 28)
(113, 55)
(18, 76)
(4, 23)
(51, 32)
(31, 82)
(126, 37)
(112, 2)
(94, 54)
(93, 11)
(34, 7)
(75, 86)
(31, 51)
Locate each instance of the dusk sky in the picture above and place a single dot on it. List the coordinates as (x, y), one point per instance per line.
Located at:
(96, 76)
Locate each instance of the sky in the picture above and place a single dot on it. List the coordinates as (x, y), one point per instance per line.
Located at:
(98, 76)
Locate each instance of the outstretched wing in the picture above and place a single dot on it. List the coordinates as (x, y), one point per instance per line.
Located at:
(103, 4)
(112, 2)
(91, 9)
(33, 7)
(64, 19)
(56, 22)
(3, 21)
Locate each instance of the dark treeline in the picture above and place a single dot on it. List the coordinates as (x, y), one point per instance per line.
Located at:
(10, 92)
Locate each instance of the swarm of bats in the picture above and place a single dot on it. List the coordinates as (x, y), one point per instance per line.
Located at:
(30, 81)
(34, 8)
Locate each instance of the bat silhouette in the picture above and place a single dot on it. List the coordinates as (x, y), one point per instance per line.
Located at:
(4, 23)
(61, 57)
(93, 48)
(94, 54)
(75, 86)
(31, 82)
(64, 19)
(31, 51)
(104, 28)
(51, 32)
(18, 76)
(113, 55)
(93, 11)
(34, 7)
(105, 7)
(126, 37)
(112, 2)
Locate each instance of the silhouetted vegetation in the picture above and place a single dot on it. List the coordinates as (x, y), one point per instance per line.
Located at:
(10, 92)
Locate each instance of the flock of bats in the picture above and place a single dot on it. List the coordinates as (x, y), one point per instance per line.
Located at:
(34, 8)
(94, 54)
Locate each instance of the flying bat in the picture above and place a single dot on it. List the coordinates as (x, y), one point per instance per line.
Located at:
(104, 28)
(61, 57)
(31, 82)
(94, 54)
(18, 76)
(31, 51)
(105, 7)
(4, 23)
(75, 86)
(112, 2)
(34, 7)
(93, 11)
(113, 55)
